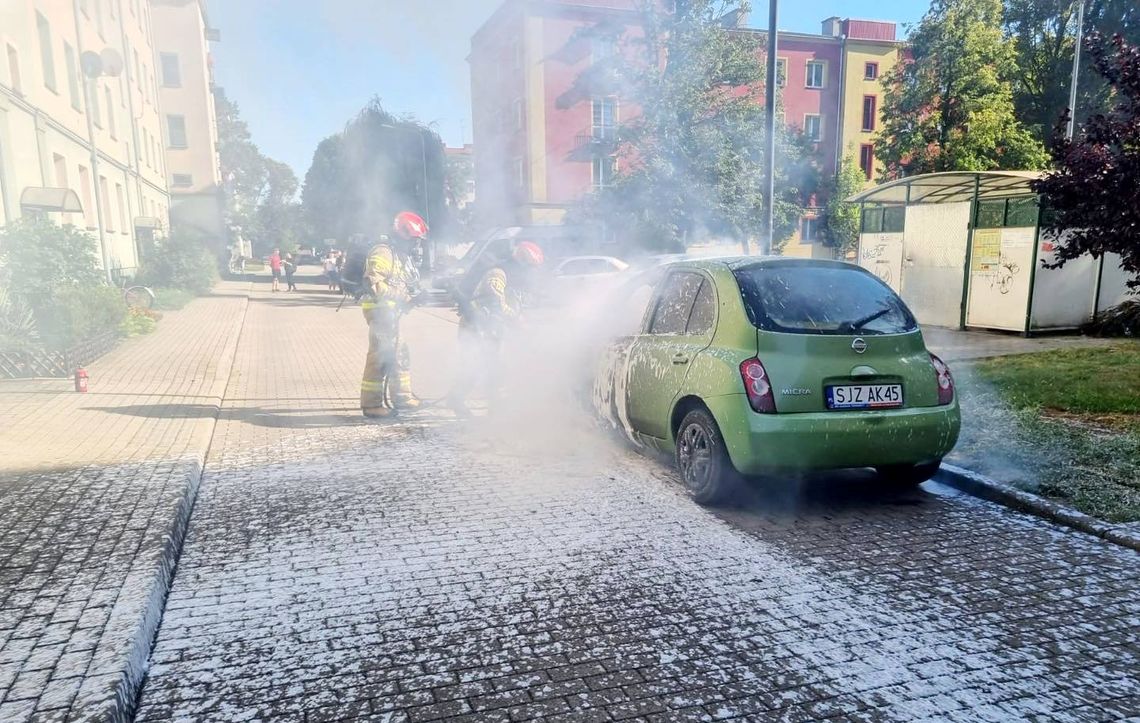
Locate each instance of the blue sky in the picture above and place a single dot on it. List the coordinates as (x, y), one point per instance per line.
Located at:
(299, 69)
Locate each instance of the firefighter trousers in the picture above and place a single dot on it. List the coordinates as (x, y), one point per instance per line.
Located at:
(387, 378)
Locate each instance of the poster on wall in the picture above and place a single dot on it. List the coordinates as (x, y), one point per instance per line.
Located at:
(987, 250)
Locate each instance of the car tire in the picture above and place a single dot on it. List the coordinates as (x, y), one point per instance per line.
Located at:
(907, 475)
(702, 458)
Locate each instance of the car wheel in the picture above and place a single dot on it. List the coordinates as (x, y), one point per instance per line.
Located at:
(907, 475)
(702, 458)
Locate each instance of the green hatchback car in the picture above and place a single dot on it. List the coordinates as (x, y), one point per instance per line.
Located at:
(747, 366)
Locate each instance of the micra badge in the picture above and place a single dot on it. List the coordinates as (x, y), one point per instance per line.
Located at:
(858, 345)
(795, 392)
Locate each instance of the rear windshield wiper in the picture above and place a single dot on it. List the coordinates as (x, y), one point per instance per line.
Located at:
(849, 326)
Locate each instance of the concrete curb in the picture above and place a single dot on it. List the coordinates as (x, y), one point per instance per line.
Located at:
(124, 689)
(979, 485)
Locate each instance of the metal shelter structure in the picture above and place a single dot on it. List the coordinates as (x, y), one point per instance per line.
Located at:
(965, 249)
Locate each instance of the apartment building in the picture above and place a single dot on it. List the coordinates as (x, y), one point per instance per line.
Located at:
(545, 124)
(182, 35)
(80, 125)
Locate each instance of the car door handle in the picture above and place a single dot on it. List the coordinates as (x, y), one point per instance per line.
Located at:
(680, 358)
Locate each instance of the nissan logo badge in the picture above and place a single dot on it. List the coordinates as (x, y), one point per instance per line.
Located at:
(858, 345)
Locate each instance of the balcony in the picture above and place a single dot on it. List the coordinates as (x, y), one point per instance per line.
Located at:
(601, 139)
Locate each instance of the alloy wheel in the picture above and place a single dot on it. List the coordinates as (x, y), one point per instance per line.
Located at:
(695, 456)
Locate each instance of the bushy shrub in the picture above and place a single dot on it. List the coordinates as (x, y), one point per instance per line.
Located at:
(1121, 320)
(139, 321)
(41, 257)
(78, 313)
(180, 261)
(18, 330)
(171, 299)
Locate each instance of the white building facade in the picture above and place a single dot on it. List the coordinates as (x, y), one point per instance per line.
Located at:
(185, 86)
(80, 110)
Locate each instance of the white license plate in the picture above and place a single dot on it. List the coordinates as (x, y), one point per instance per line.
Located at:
(864, 396)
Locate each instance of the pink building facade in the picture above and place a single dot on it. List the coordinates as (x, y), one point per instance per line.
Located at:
(545, 123)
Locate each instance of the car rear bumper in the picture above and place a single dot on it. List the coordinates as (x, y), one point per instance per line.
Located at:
(833, 440)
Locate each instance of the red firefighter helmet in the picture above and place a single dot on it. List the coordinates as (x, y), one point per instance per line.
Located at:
(528, 253)
(409, 225)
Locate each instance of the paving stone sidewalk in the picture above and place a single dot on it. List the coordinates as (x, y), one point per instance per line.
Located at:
(523, 567)
(95, 490)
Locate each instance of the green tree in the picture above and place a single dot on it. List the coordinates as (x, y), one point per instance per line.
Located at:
(692, 162)
(1043, 34)
(841, 220)
(260, 193)
(1094, 194)
(362, 177)
(948, 106)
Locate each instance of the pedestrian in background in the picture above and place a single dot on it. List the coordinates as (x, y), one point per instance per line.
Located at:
(332, 271)
(290, 269)
(275, 268)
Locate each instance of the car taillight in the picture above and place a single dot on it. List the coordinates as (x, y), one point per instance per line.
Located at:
(757, 386)
(945, 380)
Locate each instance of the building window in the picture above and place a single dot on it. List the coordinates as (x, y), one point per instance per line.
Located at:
(176, 131)
(85, 192)
(870, 106)
(781, 72)
(516, 53)
(138, 68)
(99, 16)
(171, 72)
(60, 164)
(816, 73)
(108, 220)
(867, 159)
(601, 49)
(518, 114)
(14, 70)
(47, 57)
(871, 71)
(602, 172)
(809, 229)
(604, 118)
(110, 113)
(181, 180)
(72, 75)
(122, 207)
(813, 127)
(520, 173)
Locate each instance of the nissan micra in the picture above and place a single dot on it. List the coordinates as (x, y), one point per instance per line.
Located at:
(748, 366)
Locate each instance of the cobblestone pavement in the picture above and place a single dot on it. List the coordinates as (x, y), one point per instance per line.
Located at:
(92, 490)
(520, 566)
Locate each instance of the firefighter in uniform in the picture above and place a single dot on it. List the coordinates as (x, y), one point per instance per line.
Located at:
(493, 303)
(391, 281)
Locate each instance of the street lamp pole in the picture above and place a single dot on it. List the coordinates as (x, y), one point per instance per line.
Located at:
(770, 101)
(89, 90)
(1076, 70)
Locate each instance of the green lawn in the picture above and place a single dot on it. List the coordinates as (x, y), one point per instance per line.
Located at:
(1064, 424)
(1097, 381)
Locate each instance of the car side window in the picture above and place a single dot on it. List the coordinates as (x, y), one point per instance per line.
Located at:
(703, 316)
(572, 268)
(630, 312)
(675, 302)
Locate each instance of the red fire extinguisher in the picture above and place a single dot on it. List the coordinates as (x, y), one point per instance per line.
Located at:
(81, 380)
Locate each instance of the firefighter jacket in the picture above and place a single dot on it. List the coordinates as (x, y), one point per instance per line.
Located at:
(492, 297)
(389, 279)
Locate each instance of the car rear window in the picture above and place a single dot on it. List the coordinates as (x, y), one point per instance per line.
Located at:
(803, 299)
